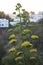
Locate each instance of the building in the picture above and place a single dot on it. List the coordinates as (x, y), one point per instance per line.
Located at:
(16, 20)
(32, 18)
(36, 17)
(4, 23)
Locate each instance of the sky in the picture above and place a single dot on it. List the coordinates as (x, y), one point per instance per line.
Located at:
(8, 6)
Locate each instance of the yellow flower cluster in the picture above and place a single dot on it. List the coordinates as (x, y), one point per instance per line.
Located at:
(26, 43)
(20, 63)
(12, 36)
(34, 37)
(33, 50)
(12, 41)
(26, 31)
(9, 30)
(31, 25)
(18, 58)
(18, 53)
(32, 57)
(12, 49)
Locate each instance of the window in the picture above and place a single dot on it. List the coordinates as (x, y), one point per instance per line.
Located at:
(2, 24)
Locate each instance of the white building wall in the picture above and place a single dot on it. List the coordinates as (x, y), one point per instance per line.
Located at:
(16, 20)
(35, 17)
(4, 23)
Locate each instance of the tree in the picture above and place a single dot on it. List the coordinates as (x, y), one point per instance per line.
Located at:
(11, 19)
(32, 12)
(25, 16)
(7, 17)
(2, 14)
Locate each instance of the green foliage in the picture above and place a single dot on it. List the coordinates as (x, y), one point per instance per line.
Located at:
(17, 25)
(25, 31)
(12, 41)
(22, 55)
(11, 50)
(30, 25)
(14, 12)
(25, 16)
(40, 21)
(18, 6)
(10, 30)
(9, 60)
(11, 20)
(26, 37)
(11, 36)
(2, 51)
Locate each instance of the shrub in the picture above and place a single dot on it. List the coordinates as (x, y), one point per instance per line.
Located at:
(30, 25)
(17, 25)
(22, 55)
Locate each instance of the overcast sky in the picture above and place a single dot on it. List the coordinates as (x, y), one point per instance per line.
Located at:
(8, 6)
